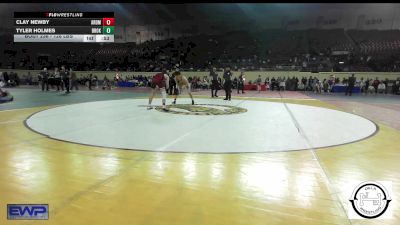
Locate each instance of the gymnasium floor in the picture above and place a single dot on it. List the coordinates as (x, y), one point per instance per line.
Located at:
(280, 158)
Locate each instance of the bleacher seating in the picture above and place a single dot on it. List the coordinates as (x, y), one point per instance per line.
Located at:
(268, 49)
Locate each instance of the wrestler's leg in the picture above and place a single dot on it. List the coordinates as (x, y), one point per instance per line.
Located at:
(190, 93)
(176, 94)
(153, 91)
(164, 97)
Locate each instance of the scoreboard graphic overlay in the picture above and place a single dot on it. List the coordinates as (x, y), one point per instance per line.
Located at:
(63, 26)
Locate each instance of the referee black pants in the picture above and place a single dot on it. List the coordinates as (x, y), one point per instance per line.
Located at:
(240, 87)
(228, 90)
(349, 89)
(66, 83)
(214, 87)
(45, 83)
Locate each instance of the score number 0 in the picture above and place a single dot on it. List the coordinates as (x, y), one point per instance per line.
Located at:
(108, 21)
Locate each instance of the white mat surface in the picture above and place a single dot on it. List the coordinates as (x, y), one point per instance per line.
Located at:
(265, 127)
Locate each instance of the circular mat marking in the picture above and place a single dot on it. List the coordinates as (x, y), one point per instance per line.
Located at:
(263, 127)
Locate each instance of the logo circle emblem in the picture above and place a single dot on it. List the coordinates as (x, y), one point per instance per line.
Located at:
(370, 199)
(202, 109)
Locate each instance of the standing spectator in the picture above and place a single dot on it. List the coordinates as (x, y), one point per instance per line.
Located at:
(304, 82)
(331, 83)
(194, 82)
(235, 83)
(74, 81)
(273, 83)
(96, 81)
(375, 84)
(386, 82)
(219, 84)
(205, 83)
(350, 85)
(278, 83)
(6, 78)
(29, 79)
(106, 83)
(241, 82)
(381, 87)
(45, 79)
(325, 85)
(362, 85)
(52, 80)
(214, 83)
(266, 83)
(310, 83)
(65, 77)
(258, 81)
(90, 79)
(318, 86)
(16, 79)
(314, 84)
(301, 85)
(282, 84)
(367, 85)
(59, 82)
(396, 85)
(117, 78)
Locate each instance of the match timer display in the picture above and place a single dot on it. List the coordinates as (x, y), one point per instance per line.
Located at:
(64, 26)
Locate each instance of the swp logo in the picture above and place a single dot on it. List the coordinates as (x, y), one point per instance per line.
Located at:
(27, 211)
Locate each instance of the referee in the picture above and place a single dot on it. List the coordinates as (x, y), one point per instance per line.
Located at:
(228, 83)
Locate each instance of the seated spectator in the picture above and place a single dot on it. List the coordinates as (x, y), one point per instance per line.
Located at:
(29, 78)
(310, 85)
(325, 85)
(11, 83)
(381, 87)
(301, 86)
(106, 83)
(266, 81)
(282, 84)
(375, 84)
(331, 84)
(318, 86)
(96, 81)
(362, 85)
(387, 85)
(371, 90)
(5, 96)
(273, 84)
(304, 83)
(396, 86)
(258, 82)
